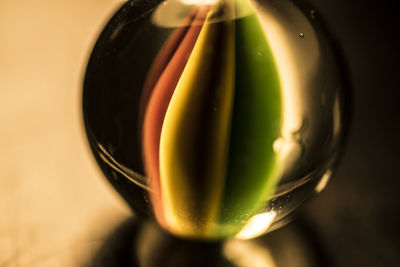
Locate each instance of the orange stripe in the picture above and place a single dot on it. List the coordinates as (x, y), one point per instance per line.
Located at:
(161, 61)
(157, 107)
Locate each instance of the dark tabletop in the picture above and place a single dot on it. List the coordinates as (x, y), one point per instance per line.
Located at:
(358, 214)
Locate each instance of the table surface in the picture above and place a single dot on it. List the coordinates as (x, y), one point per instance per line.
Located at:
(57, 210)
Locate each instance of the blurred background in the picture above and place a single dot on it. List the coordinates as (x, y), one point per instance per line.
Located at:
(54, 204)
(57, 210)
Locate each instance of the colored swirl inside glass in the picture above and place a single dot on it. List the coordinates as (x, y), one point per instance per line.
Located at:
(213, 115)
(215, 118)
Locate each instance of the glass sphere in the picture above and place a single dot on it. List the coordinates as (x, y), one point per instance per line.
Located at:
(216, 118)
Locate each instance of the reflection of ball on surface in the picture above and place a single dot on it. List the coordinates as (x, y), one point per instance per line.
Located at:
(211, 113)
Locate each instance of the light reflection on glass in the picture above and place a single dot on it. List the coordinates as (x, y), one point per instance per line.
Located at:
(323, 182)
(257, 225)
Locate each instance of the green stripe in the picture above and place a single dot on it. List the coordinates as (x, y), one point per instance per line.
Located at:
(256, 121)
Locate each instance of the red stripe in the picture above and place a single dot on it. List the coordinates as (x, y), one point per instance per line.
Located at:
(157, 108)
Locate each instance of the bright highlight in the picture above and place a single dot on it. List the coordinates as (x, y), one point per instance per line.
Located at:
(257, 225)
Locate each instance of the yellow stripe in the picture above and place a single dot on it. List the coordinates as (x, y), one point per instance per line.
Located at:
(176, 191)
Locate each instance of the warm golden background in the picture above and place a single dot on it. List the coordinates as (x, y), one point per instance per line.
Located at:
(54, 204)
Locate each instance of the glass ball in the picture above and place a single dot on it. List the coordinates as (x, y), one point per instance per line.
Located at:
(215, 118)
